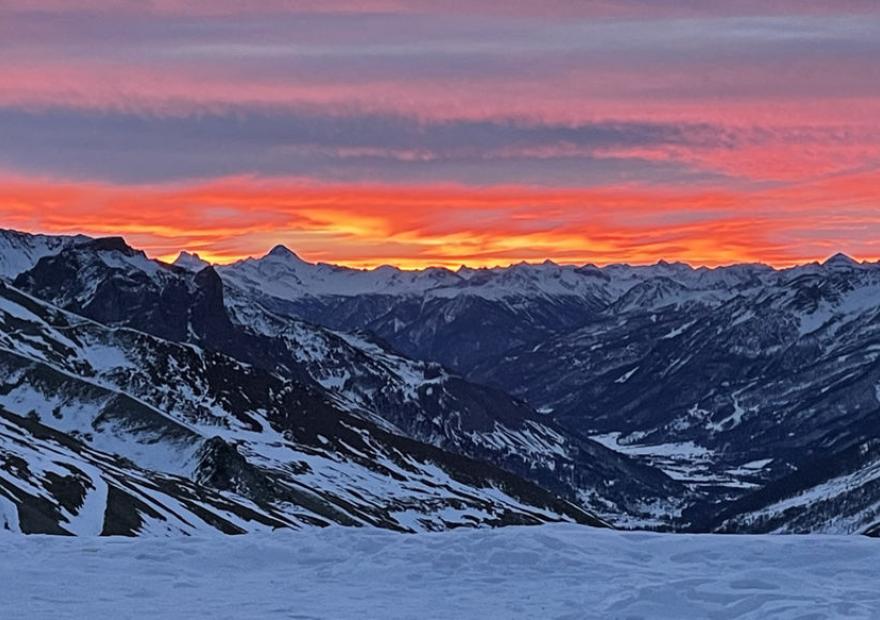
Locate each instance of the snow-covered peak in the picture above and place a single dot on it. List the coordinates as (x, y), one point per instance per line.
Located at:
(115, 253)
(284, 275)
(281, 252)
(19, 251)
(525, 280)
(841, 261)
(191, 262)
(281, 273)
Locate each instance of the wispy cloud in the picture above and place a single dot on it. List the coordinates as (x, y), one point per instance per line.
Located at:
(440, 132)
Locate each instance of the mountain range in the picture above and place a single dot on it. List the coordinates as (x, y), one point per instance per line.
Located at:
(139, 397)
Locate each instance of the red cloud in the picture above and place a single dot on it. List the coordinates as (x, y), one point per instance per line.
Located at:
(448, 225)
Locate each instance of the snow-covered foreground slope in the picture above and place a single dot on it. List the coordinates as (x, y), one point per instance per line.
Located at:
(553, 571)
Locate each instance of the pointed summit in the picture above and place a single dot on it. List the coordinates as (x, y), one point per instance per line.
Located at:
(190, 262)
(281, 251)
(840, 260)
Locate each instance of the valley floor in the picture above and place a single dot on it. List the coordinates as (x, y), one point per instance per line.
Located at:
(555, 571)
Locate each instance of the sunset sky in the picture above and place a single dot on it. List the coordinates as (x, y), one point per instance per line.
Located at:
(445, 132)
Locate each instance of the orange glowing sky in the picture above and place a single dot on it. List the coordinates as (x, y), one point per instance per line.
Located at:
(417, 134)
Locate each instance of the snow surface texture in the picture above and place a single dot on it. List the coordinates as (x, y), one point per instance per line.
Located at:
(552, 571)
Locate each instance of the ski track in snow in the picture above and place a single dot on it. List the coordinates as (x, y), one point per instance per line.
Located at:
(553, 571)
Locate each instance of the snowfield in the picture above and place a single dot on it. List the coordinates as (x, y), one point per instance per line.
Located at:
(551, 571)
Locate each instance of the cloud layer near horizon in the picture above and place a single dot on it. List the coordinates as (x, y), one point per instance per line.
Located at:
(444, 133)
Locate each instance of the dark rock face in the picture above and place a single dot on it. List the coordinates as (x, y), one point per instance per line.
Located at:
(459, 333)
(104, 281)
(221, 467)
(110, 283)
(850, 492)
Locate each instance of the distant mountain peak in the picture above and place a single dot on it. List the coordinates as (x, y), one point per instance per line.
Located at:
(282, 251)
(191, 261)
(841, 260)
(673, 264)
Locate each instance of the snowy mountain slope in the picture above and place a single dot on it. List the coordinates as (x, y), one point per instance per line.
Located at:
(709, 369)
(53, 483)
(283, 274)
(473, 316)
(426, 402)
(229, 427)
(837, 492)
(433, 314)
(736, 382)
(20, 251)
(728, 379)
(782, 376)
(416, 399)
